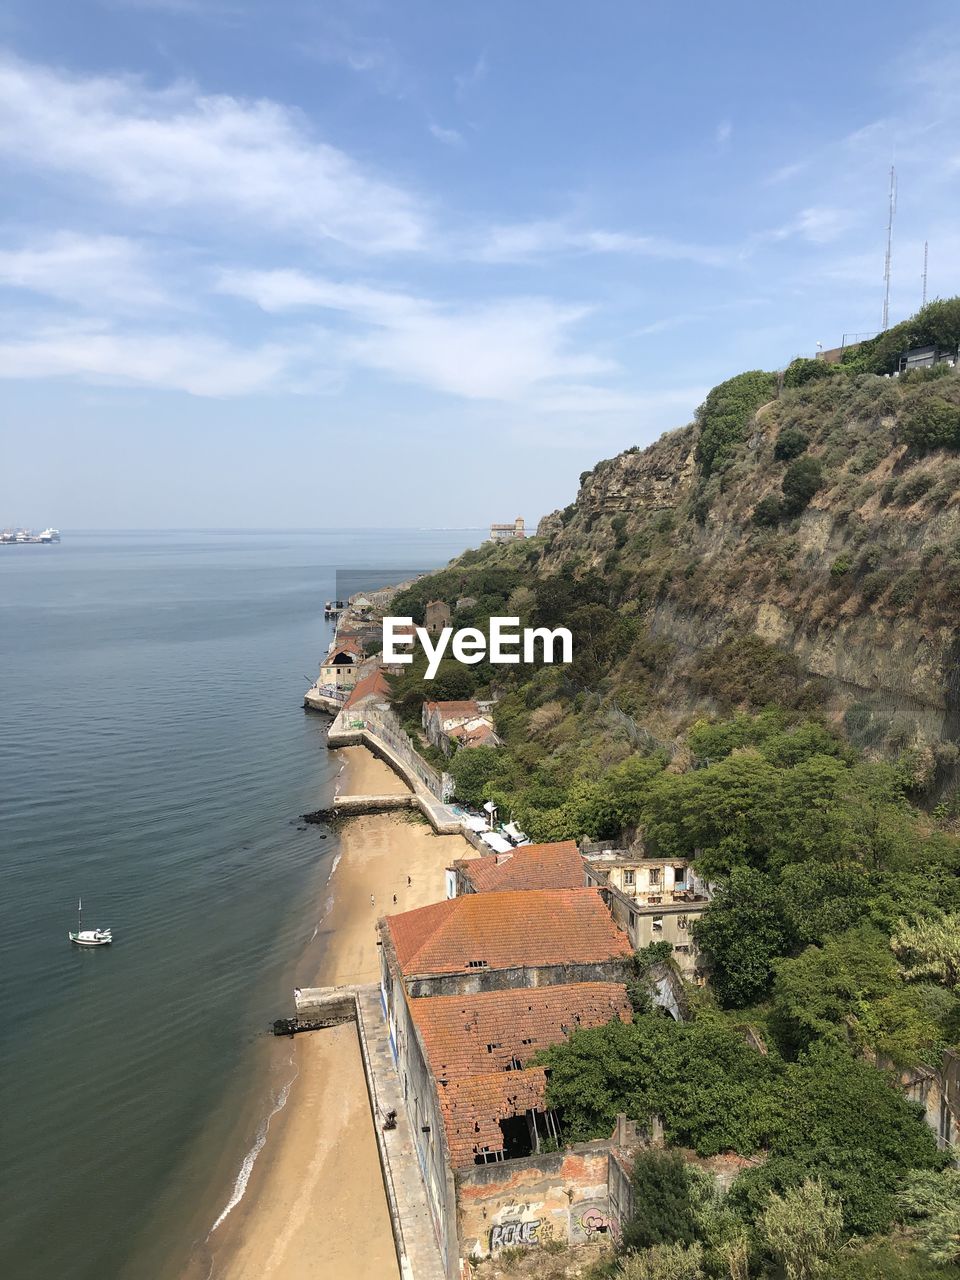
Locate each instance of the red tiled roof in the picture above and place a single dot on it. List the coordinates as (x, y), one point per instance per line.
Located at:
(468, 1035)
(503, 930)
(472, 1108)
(374, 684)
(454, 710)
(532, 866)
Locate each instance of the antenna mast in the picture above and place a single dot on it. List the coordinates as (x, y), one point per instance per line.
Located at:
(886, 265)
(924, 303)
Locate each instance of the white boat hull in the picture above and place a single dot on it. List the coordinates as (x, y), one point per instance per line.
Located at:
(92, 938)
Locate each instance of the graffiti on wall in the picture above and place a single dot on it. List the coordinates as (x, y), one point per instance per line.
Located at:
(508, 1235)
(588, 1220)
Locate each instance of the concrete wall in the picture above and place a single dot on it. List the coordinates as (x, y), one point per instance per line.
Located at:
(423, 1111)
(526, 1203)
(461, 984)
(675, 919)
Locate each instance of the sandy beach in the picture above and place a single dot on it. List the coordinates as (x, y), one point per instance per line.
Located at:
(315, 1205)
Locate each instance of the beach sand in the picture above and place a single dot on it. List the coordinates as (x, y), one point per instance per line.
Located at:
(315, 1205)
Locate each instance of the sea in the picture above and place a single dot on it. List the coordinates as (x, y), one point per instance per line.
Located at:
(154, 761)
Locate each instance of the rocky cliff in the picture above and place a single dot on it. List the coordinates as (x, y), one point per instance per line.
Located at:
(829, 530)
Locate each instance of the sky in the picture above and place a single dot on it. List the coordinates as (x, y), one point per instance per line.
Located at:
(419, 263)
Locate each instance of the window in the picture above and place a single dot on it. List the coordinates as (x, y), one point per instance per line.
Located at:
(629, 877)
(681, 922)
(633, 919)
(476, 964)
(654, 874)
(658, 922)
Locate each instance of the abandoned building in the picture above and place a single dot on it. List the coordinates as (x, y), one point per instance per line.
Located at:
(532, 866)
(472, 988)
(436, 616)
(652, 899)
(339, 668)
(451, 725)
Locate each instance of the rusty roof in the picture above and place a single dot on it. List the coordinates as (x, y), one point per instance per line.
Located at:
(453, 710)
(473, 1107)
(531, 866)
(503, 930)
(373, 684)
(492, 1030)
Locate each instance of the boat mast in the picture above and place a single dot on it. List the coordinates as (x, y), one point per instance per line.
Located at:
(79, 914)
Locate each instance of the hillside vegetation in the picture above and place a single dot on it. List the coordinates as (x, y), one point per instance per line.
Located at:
(765, 680)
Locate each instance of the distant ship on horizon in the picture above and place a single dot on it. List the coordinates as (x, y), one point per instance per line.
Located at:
(13, 537)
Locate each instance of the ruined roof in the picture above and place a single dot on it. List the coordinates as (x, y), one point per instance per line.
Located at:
(473, 1107)
(468, 710)
(505, 930)
(531, 866)
(373, 685)
(489, 1031)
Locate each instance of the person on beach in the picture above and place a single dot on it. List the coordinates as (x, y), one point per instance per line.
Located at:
(394, 899)
(409, 882)
(373, 901)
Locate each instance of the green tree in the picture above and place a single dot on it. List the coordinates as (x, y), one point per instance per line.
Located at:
(743, 932)
(801, 480)
(664, 1212)
(473, 769)
(723, 417)
(930, 948)
(928, 421)
(801, 1229)
(791, 442)
(931, 1201)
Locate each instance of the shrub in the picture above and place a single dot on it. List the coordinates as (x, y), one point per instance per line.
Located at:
(802, 1229)
(723, 416)
(791, 442)
(768, 511)
(913, 486)
(929, 422)
(840, 566)
(801, 371)
(664, 1211)
(801, 480)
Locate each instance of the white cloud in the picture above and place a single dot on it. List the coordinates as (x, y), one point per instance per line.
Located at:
(516, 242)
(191, 362)
(452, 137)
(819, 224)
(467, 81)
(176, 149)
(724, 133)
(501, 350)
(93, 272)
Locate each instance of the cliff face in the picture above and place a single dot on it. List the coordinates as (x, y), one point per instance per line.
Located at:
(860, 586)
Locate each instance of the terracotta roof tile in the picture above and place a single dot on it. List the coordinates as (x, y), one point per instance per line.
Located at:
(373, 684)
(475, 1034)
(503, 930)
(531, 866)
(473, 1107)
(456, 710)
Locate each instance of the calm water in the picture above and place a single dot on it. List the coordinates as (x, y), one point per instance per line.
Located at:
(154, 758)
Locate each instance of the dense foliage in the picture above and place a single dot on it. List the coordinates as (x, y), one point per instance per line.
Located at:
(724, 415)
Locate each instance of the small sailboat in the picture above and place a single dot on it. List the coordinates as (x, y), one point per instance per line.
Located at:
(89, 937)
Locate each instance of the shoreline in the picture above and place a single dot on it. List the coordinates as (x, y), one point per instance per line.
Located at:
(314, 1201)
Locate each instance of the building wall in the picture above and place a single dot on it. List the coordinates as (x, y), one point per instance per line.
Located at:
(340, 677)
(462, 984)
(426, 1120)
(675, 921)
(526, 1203)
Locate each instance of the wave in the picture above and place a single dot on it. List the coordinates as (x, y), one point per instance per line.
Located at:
(250, 1159)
